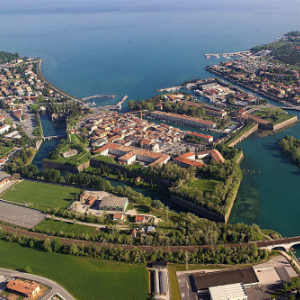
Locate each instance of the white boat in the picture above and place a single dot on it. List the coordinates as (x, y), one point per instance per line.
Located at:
(197, 92)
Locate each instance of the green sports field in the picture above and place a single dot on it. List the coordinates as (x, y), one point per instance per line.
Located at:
(85, 278)
(40, 194)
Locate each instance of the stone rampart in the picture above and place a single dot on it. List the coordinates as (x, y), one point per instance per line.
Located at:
(198, 210)
(286, 123)
(63, 167)
(244, 136)
(239, 160)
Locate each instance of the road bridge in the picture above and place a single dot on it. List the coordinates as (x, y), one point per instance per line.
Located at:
(53, 138)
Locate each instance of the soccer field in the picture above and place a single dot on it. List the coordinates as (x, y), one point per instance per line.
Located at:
(40, 194)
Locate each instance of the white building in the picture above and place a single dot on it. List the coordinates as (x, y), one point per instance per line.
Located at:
(228, 292)
(4, 128)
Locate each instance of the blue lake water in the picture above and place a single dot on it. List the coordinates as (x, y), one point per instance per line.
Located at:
(135, 47)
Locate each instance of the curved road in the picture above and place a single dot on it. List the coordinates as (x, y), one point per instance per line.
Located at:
(56, 288)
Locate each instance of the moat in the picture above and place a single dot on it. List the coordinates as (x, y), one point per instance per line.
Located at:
(269, 191)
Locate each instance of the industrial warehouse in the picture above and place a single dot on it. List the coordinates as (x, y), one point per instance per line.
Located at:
(252, 283)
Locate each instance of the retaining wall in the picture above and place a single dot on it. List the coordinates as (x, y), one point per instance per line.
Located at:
(285, 123)
(244, 136)
(199, 210)
(64, 168)
(239, 160)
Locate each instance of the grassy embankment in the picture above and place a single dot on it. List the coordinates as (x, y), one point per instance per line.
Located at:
(273, 115)
(41, 195)
(85, 278)
(112, 161)
(240, 133)
(69, 229)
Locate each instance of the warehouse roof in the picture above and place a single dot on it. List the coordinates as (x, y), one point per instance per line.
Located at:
(113, 201)
(225, 292)
(211, 279)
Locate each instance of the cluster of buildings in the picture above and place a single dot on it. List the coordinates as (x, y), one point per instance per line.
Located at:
(268, 76)
(199, 159)
(130, 130)
(127, 155)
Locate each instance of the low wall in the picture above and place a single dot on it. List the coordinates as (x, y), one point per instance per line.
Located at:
(199, 210)
(64, 168)
(245, 135)
(239, 160)
(285, 123)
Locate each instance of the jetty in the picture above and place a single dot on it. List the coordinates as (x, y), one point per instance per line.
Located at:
(227, 55)
(99, 96)
(117, 106)
(170, 89)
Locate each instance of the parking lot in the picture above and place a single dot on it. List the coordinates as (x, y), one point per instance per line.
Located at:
(19, 215)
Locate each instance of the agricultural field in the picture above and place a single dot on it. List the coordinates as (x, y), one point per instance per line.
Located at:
(85, 278)
(41, 194)
(68, 229)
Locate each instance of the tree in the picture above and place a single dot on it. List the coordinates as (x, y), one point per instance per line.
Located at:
(56, 244)
(84, 131)
(47, 245)
(187, 149)
(131, 105)
(73, 250)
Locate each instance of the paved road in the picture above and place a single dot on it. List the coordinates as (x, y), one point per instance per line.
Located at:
(56, 288)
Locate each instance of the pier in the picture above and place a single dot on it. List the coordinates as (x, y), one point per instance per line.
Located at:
(117, 106)
(227, 55)
(99, 96)
(170, 89)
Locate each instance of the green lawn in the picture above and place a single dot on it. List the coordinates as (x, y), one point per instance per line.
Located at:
(54, 227)
(77, 160)
(41, 194)
(85, 278)
(106, 159)
(205, 185)
(4, 150)
(273, 115)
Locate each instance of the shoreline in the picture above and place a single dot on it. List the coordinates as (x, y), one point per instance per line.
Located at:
(51, 85)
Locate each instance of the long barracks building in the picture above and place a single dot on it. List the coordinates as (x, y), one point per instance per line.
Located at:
(127, 155)
(183, 119)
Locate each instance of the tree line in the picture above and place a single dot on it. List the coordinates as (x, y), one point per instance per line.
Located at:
(291, 146)
(218, 255)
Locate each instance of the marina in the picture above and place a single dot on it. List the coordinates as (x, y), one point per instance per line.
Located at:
(228, 55)
(170, 89)
(99, 96)
(117, 106)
